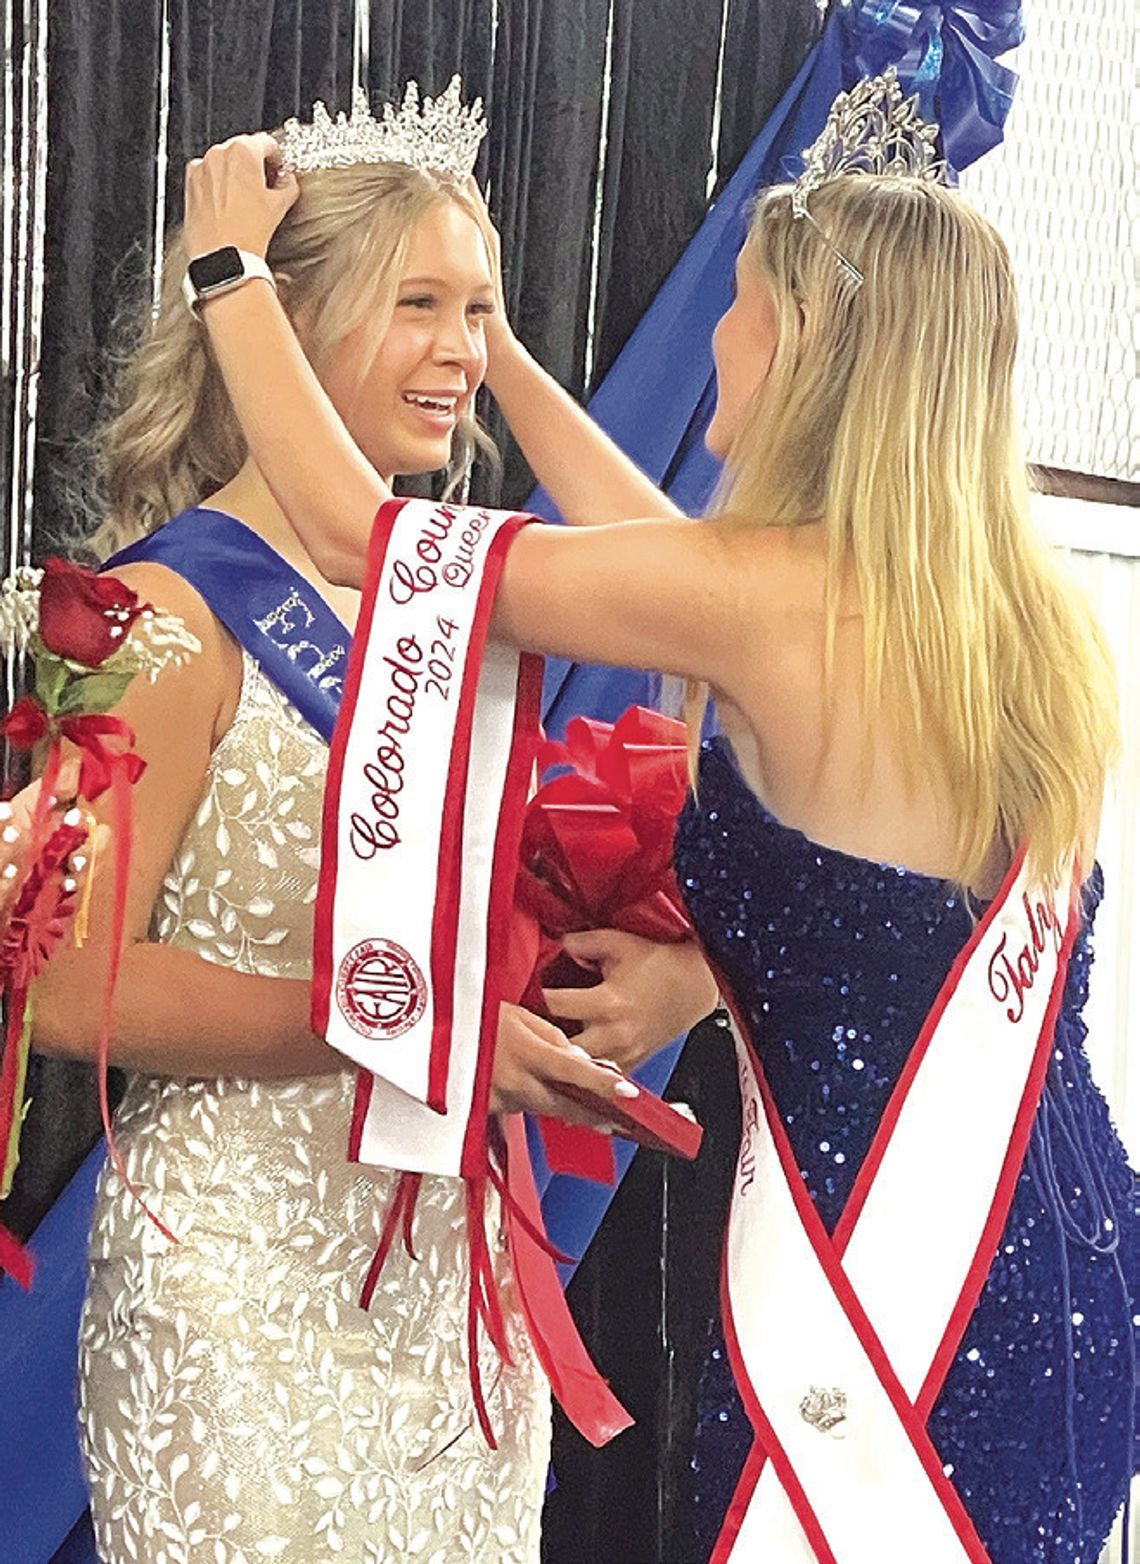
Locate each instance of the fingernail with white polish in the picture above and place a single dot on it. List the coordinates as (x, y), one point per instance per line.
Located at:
(5, 809)
(580, 1053)
(626, 1089)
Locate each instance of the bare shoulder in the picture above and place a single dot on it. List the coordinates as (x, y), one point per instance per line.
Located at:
(165, 589)
(781, 571)
(210, 682)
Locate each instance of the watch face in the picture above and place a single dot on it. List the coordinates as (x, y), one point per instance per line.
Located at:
(215, 270)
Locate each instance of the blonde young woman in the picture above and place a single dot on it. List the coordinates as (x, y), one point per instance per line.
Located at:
(237, 1404)
(914, 694)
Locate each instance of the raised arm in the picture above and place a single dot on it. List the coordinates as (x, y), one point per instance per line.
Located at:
(317, 472)
(589, 478)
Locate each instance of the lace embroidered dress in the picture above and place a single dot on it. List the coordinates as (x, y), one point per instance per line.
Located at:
(236, 1403)
(836, 961)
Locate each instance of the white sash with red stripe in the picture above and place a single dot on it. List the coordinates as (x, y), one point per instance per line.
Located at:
(430, 768)
(841, 1344)
(415, 862)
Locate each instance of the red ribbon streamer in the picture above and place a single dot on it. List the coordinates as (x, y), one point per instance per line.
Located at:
(572, 1375)
(14, 1258)
(19, 1262)
(121, 779)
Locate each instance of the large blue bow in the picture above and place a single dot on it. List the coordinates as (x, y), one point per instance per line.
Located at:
(948, 55)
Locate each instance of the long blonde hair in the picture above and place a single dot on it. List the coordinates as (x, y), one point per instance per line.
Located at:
(889, 413)
(337, 257)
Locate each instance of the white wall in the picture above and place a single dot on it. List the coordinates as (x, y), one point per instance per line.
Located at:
(1103, 543)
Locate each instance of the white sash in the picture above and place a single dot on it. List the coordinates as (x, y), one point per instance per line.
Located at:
(414, 862)
(866, 1323)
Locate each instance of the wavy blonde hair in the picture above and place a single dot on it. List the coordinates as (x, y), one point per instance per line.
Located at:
(889, 413)
(337, 257)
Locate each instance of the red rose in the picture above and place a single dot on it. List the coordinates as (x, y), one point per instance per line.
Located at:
(84, 617)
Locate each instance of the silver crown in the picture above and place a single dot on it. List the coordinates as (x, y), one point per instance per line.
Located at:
(872, 129)
(825, 1408)
(438, 133)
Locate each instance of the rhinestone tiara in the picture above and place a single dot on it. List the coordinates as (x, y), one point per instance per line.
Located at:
(872, 129)
(442, 134)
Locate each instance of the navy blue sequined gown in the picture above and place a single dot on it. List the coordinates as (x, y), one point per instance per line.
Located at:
(835, 961)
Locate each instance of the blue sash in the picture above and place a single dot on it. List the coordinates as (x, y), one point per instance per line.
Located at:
(281, 619)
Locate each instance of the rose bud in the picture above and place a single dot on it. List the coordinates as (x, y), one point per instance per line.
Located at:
(83, 616)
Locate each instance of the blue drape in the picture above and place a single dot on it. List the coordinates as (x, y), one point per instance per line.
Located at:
(656, 402)
(42, 1487)
(658, 398)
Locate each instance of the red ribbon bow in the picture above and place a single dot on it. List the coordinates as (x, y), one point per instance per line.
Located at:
(597, 852)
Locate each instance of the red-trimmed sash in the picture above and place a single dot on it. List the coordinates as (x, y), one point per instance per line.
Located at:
(430, 766)
(840, 1345)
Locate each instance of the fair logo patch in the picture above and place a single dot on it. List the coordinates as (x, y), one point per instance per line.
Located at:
(380, 989)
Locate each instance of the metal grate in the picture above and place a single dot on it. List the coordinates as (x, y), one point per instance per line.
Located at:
(1062, 190)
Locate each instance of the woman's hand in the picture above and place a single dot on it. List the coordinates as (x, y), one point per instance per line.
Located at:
(237, 194)
(649, 994)
(590, 479)
(531, 1056)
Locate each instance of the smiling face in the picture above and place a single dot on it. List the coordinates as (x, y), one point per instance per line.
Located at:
(402, 406)
(744, 345)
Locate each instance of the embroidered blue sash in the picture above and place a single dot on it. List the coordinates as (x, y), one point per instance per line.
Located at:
(280, 619)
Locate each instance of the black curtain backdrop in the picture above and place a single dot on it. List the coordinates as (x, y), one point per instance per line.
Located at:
(112, 83)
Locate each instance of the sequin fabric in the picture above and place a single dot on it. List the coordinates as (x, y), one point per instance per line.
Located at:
(836, 961)
(237, 1405)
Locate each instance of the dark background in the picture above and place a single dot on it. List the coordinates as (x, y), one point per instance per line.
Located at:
(92, 89)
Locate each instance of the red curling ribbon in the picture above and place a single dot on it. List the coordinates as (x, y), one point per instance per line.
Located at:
(401, 1212)
(120, 780)
(535, 1232)
(597, 853)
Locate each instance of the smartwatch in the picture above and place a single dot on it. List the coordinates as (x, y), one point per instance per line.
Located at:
(220, 271)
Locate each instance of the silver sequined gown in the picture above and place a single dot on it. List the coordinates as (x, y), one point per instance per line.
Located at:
(236, 1403)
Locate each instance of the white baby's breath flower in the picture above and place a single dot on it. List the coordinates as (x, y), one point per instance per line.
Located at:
(19, 609)
(156, 641)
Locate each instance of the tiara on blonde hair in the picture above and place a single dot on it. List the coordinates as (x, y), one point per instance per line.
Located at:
(438, 134)
(872, 129)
